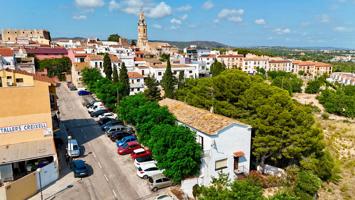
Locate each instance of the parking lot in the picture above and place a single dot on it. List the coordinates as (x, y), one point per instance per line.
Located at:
(113, 176)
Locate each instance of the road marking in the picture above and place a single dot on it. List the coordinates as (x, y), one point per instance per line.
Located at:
(114, 193)
(99, 165)
(106, 177)
(93, 153)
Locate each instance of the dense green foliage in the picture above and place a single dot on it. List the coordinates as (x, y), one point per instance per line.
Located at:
(115, 75)
(114, 37)
(164, 57)
(104, 89)
(168, 82)
(340, 101)
(285, 131)
(217, 68)
(307, 185)
(55, 66)
(174, 147)
(344, 67)
(152, 91)
(107, 66)
(181, 80)
(286, 80)
(313, 86)
(124, 80)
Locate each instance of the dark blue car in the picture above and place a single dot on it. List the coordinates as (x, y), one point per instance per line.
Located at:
(79, 168)
(126, 139)
(83, 92)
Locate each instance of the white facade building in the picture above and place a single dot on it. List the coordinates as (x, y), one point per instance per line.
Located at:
(226, 143)
(136, 82)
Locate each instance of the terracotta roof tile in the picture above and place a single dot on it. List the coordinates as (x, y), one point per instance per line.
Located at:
(114, 58)
(198, 118)
(92, 57)
(134, 75)
(6, 52)
(81, 65)
(231, 56)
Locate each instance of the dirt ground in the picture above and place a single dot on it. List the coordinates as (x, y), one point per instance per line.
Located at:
(339, 134)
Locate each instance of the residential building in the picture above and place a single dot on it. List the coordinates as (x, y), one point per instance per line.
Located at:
(342, 78)
(251, 64)
(77, 55)
(311, 69)
(136, 82)
(231, 60)
(26, 125)
(13, 36)
(157, 69)
(42, 53)
(225, 142)
(280, 65)
(7, 58)
(76, 73)
(68, 43)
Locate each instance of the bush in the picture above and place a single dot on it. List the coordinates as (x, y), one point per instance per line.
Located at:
(307, 185)
(313, 87)
(325, 115)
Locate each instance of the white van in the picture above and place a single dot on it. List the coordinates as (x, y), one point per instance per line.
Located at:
(73, 149)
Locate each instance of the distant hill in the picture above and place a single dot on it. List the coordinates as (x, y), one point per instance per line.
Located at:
(199, 44)
(69, 38)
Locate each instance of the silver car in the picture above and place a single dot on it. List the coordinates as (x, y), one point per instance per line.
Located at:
(159, 181)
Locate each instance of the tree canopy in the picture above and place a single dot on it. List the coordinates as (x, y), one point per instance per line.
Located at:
(217, 68)
(124, 80)
(152, 91)
(115, 75)
(107, 66)
(168, 82)
(114, 37)
(55, 66)
(285, 80)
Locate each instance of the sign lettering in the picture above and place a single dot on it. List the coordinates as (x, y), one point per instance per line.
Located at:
(23, 127)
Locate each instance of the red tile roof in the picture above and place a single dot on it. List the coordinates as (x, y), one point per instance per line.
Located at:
(231, 56)
(47, 51)
(138, 59)
(134, 75)
(279, 61)
(6, 52)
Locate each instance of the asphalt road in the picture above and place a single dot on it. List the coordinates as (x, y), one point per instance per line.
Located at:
(114, 177)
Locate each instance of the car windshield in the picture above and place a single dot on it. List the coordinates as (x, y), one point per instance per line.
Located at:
(125, 145)
(75, 147)
(144, 159)
(81, 166)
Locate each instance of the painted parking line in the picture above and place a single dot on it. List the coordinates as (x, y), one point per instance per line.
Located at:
(114, 193)
(106, 177)
(99, 165)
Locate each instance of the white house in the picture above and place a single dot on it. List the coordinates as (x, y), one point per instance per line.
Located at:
(226, 142)
(158, 69)
(7, 58)
(136, 82)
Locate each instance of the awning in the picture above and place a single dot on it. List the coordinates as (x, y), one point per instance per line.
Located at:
(238, 154)
(26, 151)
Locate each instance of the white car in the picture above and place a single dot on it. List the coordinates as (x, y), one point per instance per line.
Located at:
(108, 115)
(143, 161)
(145, 171)
(96, 108)
(164, 197)
(73, 149)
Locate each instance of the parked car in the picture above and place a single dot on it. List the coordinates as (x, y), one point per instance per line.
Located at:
(114, 128)
(98, 112)
(110, 123)
(104, 120)
(73, 149)
(118, 135)
(126, 139)
(108, 115)
(148, 170)
(128, 148)
(96, 108)
(79, 168)
(83, 92)
(143, 161)
(96, 103)
(158, 181)
(140, 153)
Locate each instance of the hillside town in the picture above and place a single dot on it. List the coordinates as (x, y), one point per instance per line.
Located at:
(73, 109)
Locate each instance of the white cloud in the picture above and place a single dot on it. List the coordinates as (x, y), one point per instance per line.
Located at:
(113, 5)
(207, 5)
(79, 17)
(260, 21)
(157, 26)
(159, 11)
(89, 3)
(233, 15)
(184, 8)
(324, 18)
(341, 29)
(184, 17)
(282, 31)
(175, 21)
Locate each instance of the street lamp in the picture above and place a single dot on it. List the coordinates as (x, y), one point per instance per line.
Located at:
(40, 181)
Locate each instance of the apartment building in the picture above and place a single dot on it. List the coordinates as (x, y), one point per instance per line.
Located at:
(231, 60)
(311, 69)
(26, 36)
(136, 82)
(280, 65)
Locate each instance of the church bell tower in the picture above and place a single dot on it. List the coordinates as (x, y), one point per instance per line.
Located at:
(142, 41)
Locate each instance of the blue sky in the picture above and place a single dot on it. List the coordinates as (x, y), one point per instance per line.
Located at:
(300, 23)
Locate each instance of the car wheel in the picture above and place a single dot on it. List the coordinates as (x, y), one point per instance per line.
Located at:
(155, 189)
(145, 177)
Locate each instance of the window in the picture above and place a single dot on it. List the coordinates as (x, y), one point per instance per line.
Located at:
(200, 141)
(95, 64)
(138, 80)
(19, 80)
(221, 164)
(159, 73)
(143, 72)
(0, 82)
(190, 72)
(138, 89)
(159, 180)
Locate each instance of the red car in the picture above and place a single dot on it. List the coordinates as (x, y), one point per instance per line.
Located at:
(128, 148)
(138, 153)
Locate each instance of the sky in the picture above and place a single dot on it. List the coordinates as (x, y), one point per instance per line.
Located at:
(239, 23)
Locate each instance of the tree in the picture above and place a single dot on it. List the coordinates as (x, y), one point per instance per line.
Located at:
(181, 80)
(164, 57)
(55, 66)
(152, 92)
(133, 43)
(313, 87)
(115, 75)
(307, 185)
(124, 80)
(107, 66)
(168, 82)
(217, 68)
(114, 37)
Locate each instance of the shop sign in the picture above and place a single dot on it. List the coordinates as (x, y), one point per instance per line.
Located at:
(23, 127)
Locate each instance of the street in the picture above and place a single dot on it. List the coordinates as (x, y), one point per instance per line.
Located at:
(113, 176)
